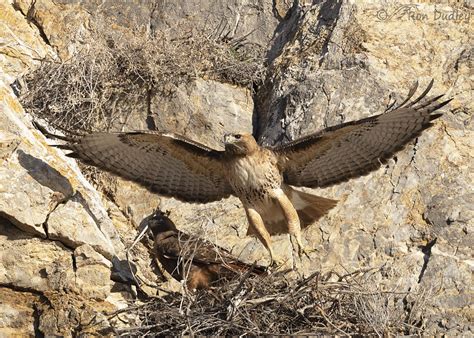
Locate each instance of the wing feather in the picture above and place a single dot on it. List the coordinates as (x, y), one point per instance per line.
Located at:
(167, 164)
(356, 148)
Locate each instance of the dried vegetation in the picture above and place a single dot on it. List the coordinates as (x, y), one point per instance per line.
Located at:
(352, 304)
(115, 70)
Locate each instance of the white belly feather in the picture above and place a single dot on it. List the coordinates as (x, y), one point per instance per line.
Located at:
(249, 174)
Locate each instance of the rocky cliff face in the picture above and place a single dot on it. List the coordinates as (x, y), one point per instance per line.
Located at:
(62, 243)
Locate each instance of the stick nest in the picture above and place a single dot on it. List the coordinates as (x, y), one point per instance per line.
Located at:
(274, 304)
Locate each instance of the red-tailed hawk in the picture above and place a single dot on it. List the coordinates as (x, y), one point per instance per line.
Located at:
(200, 263)
(261, 177)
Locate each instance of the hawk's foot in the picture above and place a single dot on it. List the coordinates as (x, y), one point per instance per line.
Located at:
(276, 264)
(306, 251)
(299, 248)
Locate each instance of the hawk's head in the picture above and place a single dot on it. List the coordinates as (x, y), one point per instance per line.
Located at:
(159, 222)
(240, 144)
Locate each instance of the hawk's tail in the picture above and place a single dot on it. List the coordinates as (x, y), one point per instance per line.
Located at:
(310, 207)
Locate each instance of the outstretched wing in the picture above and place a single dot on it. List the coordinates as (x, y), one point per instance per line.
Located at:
(353, 149)
(168, 164)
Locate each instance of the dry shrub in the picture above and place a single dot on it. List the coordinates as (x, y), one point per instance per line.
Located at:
(118, 69)
(352, 304)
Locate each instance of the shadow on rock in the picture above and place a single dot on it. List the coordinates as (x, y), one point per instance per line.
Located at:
(44, 174)
(123, 270)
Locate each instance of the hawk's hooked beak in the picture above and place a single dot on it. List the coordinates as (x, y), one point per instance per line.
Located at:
(227, 138)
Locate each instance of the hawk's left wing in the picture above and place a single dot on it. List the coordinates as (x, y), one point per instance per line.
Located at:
(355, 148)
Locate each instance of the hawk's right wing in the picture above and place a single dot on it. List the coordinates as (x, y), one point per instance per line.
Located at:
(165, 163)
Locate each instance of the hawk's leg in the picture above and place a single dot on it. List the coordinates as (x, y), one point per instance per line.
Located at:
(256, 222)
(292, 219)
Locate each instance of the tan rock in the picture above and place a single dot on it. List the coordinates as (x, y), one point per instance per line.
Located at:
(63, 25)
(65, 314)
(29, 187)
(36, 177)
(8, 144)
(33, 263)
(235, 19)
(204, 110)
(79, 229)
(17, 313)
(282, 7)
(134, 201)
(92, 273)
(21, 45)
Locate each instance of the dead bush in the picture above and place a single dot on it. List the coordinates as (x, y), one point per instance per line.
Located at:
(118, 69)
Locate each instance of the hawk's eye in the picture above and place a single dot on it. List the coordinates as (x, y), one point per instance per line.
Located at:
(237, 136)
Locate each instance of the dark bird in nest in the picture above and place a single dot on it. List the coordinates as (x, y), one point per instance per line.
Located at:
(197, 261)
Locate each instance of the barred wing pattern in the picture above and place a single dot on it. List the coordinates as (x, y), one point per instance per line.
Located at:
(165, 163)
(356, 148)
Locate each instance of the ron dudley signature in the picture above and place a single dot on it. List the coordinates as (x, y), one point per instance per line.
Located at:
(412, 12)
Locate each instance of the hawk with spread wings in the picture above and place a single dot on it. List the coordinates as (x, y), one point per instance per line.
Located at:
(261, 177)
